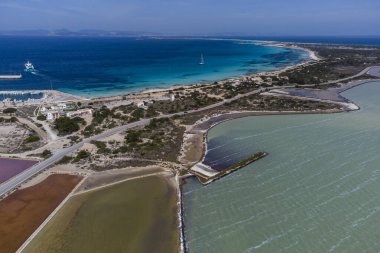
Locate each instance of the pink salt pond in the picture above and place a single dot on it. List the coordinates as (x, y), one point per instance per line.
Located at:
(11, 167)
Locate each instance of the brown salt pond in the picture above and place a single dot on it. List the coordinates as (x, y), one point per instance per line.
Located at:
(11, 167)
(23, 211)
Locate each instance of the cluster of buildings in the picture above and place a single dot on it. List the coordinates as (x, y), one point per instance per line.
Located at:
(144, 104)
(58, 110)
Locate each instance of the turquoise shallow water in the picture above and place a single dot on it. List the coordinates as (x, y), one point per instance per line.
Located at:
(317, 191)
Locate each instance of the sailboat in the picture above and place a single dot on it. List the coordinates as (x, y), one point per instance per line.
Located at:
(202, 62)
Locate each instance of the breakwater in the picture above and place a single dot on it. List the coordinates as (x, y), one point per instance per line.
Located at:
(205, 177)
(11, 76)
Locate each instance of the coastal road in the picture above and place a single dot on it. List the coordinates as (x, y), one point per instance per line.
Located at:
(363, 72)
(59, 154)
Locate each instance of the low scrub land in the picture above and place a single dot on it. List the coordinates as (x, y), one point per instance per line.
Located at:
(158, 141)
(23, 211)
(67, 125)
(271, 103)
(161, 139)
(16, 137)
(135, 216)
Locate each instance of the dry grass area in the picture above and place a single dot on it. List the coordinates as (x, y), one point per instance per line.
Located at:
(111, 176)
(192, 148)
(11, 136)
(23, 211)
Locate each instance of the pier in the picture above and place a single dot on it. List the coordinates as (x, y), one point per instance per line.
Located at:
(206, 174)
(11, 76)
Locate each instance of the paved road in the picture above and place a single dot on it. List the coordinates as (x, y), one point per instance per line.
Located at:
(58, 154)
(363, 72)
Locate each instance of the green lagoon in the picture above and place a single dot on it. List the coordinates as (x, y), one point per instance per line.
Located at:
(317, 191)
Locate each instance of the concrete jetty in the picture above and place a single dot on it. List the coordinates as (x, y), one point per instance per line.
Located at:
(11, 76)
(206, 174)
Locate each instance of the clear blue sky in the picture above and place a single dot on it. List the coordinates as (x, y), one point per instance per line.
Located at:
(256, 17)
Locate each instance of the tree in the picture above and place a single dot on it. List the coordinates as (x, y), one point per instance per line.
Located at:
(133, 137)
(100, 115)
(32, 138)
(9, 110)
(137, 114)
(41, 117)
(65, 160)
(46, 153)
(151, 112)
(83, 154)
(66, 125)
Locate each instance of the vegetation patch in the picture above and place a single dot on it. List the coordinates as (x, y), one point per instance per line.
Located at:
(9, 110)
(160, 140)
(83, 154)
(65, 160)
(32, 138)
(41, 117)
(66, 125)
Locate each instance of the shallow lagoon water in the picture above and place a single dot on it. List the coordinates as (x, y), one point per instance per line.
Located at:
(317, 191)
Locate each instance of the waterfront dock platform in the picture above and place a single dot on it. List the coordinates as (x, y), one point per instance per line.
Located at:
(11, 76)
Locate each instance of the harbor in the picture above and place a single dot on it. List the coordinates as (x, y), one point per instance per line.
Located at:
(35, 97)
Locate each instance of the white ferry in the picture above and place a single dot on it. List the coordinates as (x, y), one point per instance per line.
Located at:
(29, 67)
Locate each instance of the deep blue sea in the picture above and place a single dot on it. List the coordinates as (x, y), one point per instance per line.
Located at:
(106, 66)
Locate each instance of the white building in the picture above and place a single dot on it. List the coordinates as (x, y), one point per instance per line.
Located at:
(79, 112)
(44, 109)
(52, 115)
(141, 105)
(62, 106)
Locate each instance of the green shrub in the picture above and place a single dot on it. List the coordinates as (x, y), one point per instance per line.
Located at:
(137, 114)
(9, 110)
(66, 125)
(41, 117)
(46, 154)
(102, 147)
(65, 160)
(133, 137)
(100, 115)
(83, 154)
(12, 119)
(151, 112)
(32, 138)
